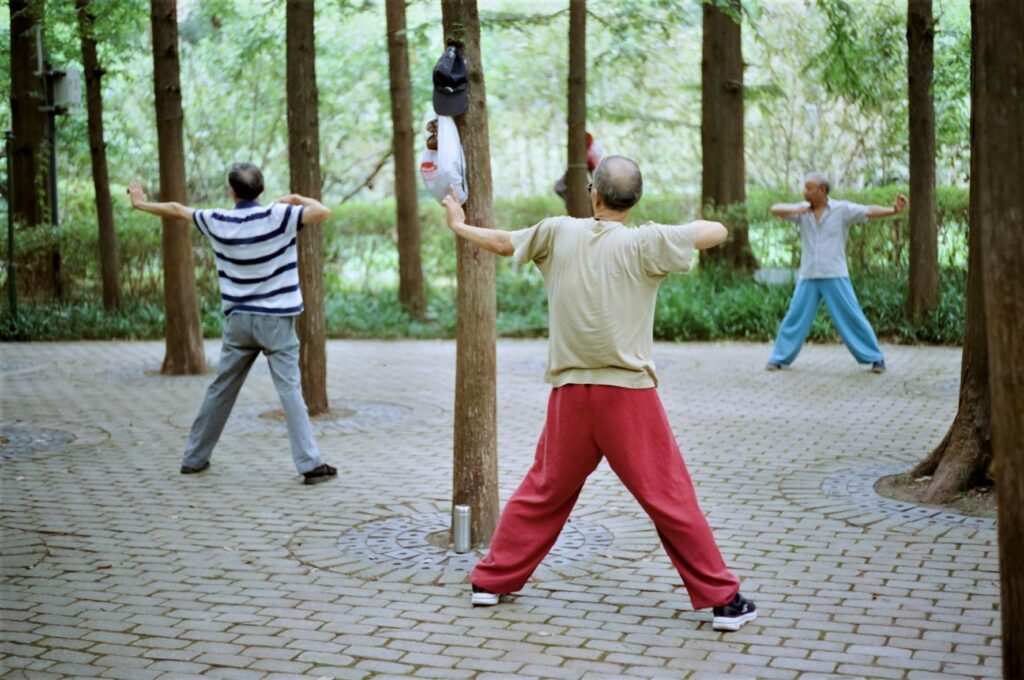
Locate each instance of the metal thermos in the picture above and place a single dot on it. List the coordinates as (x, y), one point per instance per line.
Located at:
(460, 528)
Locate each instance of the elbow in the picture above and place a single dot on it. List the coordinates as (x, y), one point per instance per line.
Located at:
(506, 249)
(778, 210)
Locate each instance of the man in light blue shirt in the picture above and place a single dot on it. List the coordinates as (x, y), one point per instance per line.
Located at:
(824, 226)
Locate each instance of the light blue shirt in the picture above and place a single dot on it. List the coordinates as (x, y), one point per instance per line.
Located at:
(823, 242)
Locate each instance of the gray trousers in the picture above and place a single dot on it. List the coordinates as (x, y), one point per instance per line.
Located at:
(245, 336)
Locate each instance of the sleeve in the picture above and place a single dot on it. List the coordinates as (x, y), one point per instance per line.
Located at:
(289, 217)
(795, 219)
(665, 249)
(533, 244)
(856, 213)
(199, 218)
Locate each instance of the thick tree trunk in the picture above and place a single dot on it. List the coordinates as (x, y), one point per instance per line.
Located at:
(962, 459)
(30, 200)
(184, 353)
(109, 267)
(304, 166)
(997, 176)
(723, 189)
(475, 478)
(410, 270)
(923, 287)
(577, 200)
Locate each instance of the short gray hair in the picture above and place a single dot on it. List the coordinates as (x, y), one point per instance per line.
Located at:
(618, 182)
(820, 179)
(246, 180)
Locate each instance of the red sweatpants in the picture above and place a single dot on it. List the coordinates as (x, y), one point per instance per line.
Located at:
(630, 428)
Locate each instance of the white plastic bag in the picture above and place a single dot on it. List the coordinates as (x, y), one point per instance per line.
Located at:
(445, 167)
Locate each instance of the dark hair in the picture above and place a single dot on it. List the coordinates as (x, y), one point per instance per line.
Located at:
(617, 180)
(247, 181)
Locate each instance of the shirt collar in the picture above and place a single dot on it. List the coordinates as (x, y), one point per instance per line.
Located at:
(242, 205)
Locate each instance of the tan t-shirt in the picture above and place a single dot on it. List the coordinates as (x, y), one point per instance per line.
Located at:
(602, 282)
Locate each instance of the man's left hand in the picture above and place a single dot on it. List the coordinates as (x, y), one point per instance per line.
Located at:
(453, 212)
(901, 203)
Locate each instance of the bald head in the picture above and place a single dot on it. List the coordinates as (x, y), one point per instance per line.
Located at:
(618, 182)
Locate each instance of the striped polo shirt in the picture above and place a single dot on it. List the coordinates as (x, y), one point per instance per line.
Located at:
(256, 254)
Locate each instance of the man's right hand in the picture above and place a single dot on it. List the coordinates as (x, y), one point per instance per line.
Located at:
(453, 211)
(135, 193)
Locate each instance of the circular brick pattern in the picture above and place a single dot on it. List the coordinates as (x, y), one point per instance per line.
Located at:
(345, 417)
(141, 372)
(17, 441)
(13, 367)
(405, 542)
(858, 488)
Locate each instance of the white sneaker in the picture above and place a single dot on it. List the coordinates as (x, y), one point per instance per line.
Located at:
(484, 598)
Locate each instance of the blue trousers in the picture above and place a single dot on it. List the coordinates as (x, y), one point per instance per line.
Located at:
(846, 314)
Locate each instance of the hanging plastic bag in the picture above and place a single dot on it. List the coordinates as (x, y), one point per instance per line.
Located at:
(445, 167)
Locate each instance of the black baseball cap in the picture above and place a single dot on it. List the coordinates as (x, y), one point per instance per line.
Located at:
(451, 85)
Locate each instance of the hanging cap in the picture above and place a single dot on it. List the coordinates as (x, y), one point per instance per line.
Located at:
(451, 84)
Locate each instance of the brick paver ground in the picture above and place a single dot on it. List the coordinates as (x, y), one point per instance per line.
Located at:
(114, 565)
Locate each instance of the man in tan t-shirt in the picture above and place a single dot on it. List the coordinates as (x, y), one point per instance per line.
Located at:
(602, 280)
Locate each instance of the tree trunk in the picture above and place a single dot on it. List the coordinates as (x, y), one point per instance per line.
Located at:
(304, 166)
(184, 353)
(410, 270)
(475, 478)
(923, 287)
(997, 176)
(109, 267)
(577, 199)
(30, 159)
(723, 177)
(961, 461)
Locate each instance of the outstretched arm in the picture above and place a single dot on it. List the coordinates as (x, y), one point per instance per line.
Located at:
(313, 211)
(170, 209)
(790, 209)
(882, 211)
(495, 240)
(710, 234)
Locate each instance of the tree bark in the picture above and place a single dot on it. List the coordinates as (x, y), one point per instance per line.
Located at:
(410, 269)
(184, 352)
(723, 177)
(475, 475)
(997, 176)
(923, 287)
(109, 267)
(577, 199)
(30, 158)
(304, 167)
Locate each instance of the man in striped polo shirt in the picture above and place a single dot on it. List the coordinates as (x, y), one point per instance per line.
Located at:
(255, 247)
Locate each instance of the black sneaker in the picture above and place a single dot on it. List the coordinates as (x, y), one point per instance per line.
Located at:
(484, 598)
(186, 470)
(731, 616)
(878, 366)
(319, 474)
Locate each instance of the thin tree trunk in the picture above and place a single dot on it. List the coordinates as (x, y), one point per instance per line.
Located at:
(475, 478)
(997, 176)
(923, 287)
(109, 267)
(723, 177)
(304, 166)
(577, 200)
(30, 200)
(184, 335)
(410, 270)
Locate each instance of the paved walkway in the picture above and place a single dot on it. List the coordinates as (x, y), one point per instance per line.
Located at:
(114, 565)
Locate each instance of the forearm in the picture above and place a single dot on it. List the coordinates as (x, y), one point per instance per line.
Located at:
(313, 211)
(709, 234)
(881, 211)
(494, 240)
(788, 209)
(171, 209)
